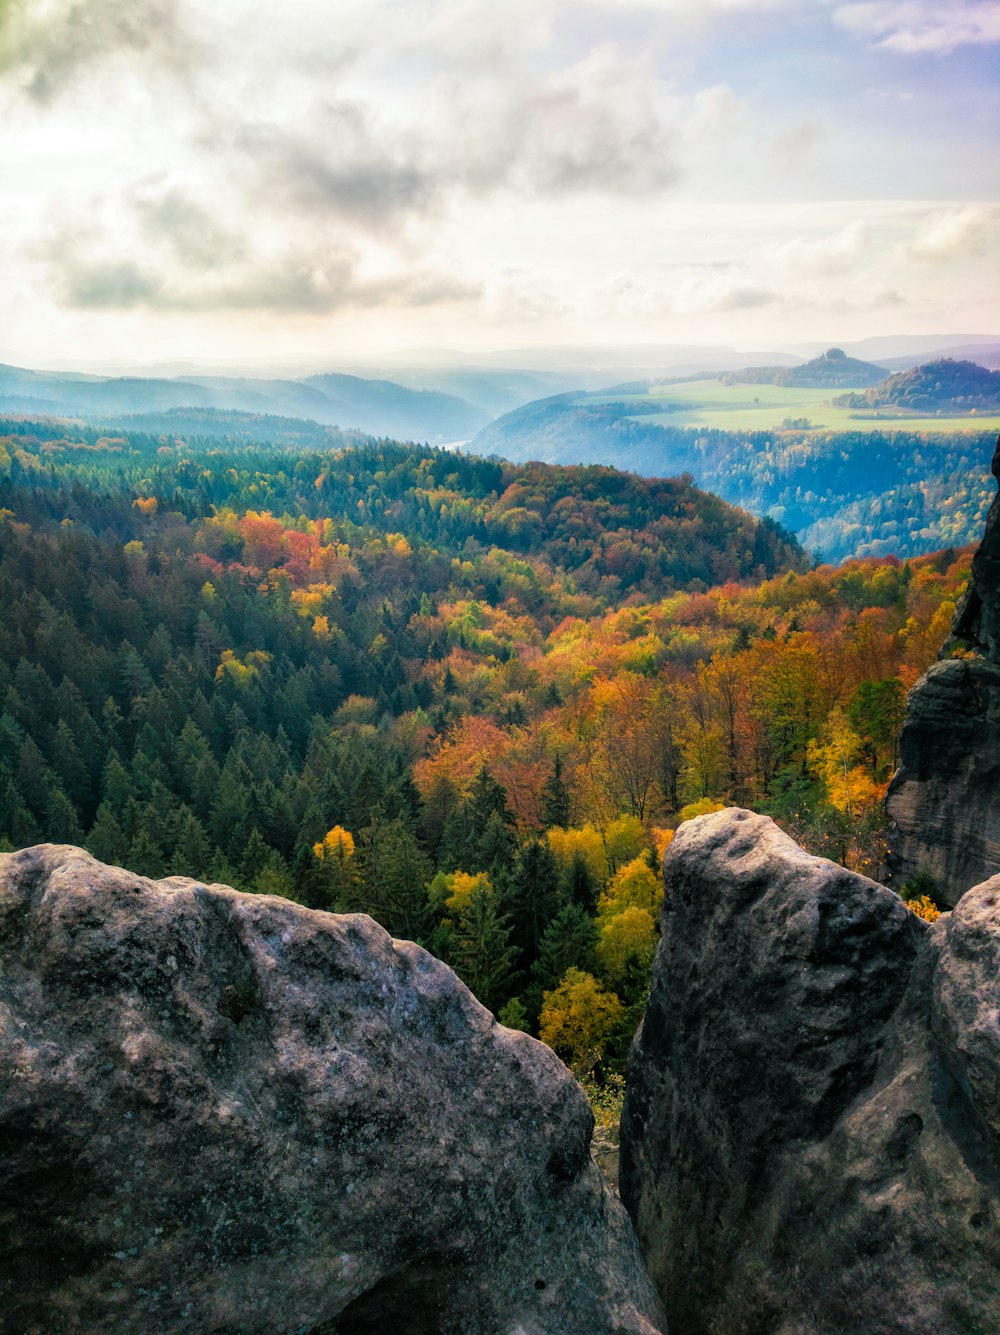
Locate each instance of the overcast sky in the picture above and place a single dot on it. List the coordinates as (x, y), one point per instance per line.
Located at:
(220, 179)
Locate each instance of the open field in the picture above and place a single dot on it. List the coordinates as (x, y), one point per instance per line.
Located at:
(710, 403)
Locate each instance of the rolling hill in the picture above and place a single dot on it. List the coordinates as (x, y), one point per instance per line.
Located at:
(376, 407)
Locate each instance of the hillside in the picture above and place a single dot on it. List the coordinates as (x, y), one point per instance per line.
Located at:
(858, 492)
(939, 386)
(469, 698)
(832, 369)
(376, 407)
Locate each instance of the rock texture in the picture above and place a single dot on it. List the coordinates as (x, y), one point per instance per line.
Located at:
(944, 800)
(226, 1113)
(811, 1135)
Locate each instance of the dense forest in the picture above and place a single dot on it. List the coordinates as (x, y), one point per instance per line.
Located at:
(843, 493)
(473, 699)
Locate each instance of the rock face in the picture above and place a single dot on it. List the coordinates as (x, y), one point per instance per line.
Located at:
(811, 1135)
(944, 800)
(223, 1112)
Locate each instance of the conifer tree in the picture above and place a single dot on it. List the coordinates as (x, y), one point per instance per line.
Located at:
(555, 798)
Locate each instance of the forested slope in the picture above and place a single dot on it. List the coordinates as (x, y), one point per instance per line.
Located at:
(469, 698)
(861, 492)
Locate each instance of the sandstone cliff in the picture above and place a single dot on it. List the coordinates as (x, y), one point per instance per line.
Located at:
(811, 1136)
(944, 800)
(227, 1113)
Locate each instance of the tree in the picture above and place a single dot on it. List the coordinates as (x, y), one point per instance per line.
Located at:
(106, 839)
(577, 1019)
(636, 886)
(625, 949)
(555, 798)
(392, 879)
(484, 957)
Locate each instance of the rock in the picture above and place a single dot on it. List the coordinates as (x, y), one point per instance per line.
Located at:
(811, 1133)
(944, 800)
(977, 617)
(224, 1112)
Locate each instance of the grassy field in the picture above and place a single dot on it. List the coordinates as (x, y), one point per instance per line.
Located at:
(711, 403)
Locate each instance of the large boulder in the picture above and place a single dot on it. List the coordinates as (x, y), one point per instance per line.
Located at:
(811, 1134)
(224, 1112)
(944, 800)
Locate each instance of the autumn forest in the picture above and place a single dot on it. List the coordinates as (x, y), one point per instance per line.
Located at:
(473, 699)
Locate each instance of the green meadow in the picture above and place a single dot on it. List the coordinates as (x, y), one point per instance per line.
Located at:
(710, 403)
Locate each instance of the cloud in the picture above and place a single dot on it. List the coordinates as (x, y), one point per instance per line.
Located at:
(838, 252)
(229, 272)
(954, 233)
(796, 146)
(46, 47)
(917, 27)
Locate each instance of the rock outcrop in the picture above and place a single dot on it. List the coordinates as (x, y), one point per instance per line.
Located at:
(223, 1112)
(944, 800)
(811, 1135)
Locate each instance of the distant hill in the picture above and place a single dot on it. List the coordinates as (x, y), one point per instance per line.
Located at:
(858, 492)
(375, 407)
(983, 354)
(955, 386)
(832, 369)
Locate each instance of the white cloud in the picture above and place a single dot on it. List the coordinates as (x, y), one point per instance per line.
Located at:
(914, 27)
(954, 233)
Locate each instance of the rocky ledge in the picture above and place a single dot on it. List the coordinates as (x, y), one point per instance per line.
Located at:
(811, 1136)
(224, 1112)
(944, 800)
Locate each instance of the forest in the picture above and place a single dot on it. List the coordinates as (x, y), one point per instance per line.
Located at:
(470, 698)
(861, 490)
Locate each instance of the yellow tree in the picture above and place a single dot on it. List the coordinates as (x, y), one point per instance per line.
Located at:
(633, 886)
(839, 762)
(626, 945)
(577, 1019)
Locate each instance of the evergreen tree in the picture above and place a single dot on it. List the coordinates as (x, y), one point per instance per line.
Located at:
(581, 886)
(484, 957)
(106, 839)
(192, 855)
(555, 799)
(530, 896)
(145, 856)
(62, 825)
(393, 876)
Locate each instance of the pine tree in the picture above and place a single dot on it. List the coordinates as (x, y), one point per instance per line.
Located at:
(392, 879)
(530, 895)
(580, 884)
(484, 957)
(555, 799)
(106, 839)
(62, 825)
(145, 856)
(192, 854)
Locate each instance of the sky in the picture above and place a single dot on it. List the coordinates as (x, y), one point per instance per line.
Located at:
(333, 179)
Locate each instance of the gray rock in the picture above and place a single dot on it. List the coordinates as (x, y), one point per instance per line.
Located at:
(224, 1112)
(810, 1137)
(944, 800)
(977, 617)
